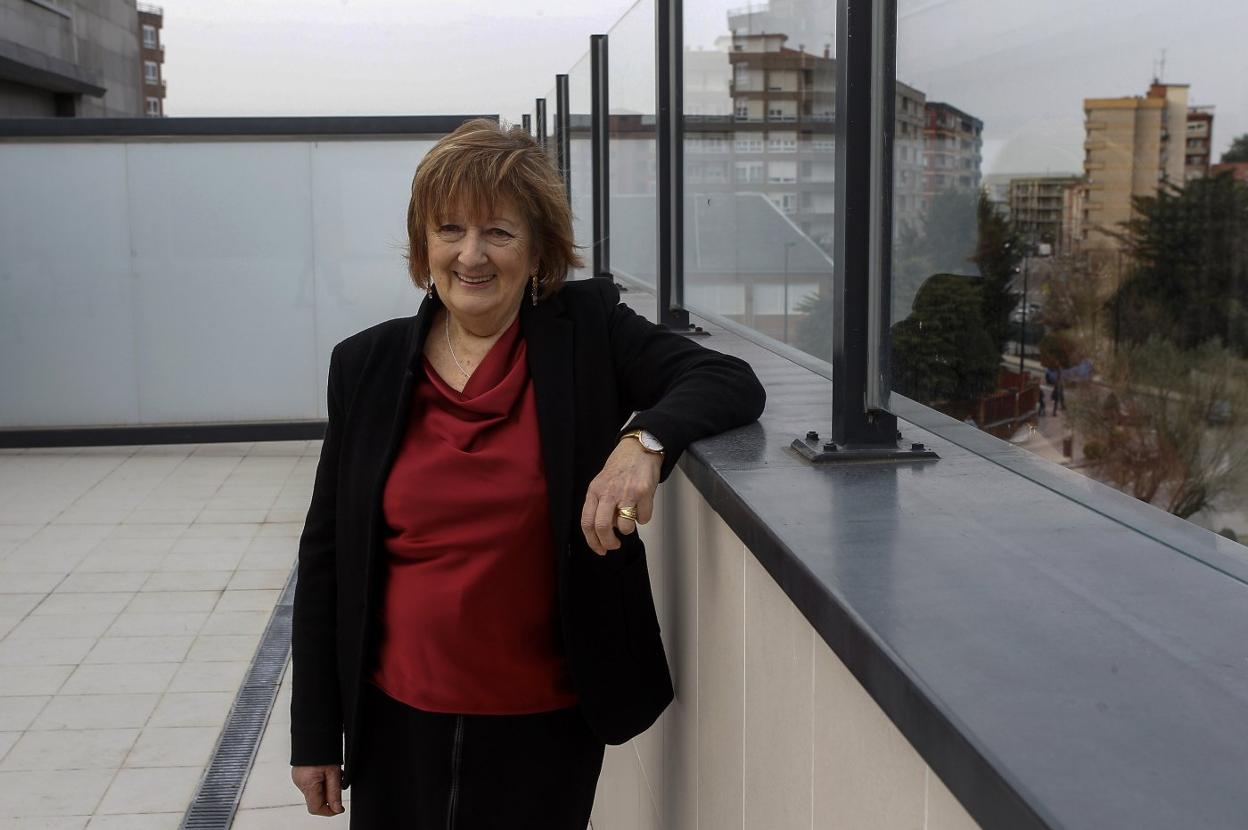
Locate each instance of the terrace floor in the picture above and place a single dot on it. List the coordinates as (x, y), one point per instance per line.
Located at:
(135, 585)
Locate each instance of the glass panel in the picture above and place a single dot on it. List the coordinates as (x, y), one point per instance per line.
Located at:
(1070, 259)
(580, 100)
(759, 97)
(193, 281)
(633, 191)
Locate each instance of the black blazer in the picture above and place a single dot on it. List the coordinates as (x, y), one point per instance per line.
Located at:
(593, 362)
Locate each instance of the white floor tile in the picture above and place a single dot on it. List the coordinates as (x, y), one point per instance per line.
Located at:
(173, 602)
(88, 583)
(188, 581)
(248, 600)
(139, 649)
(130, 624)
(84, 603)
(216, 676)
(223, 647)
(96, 711)
(32, 680)
(183, 746)
(153, 790)
(137, 821)
(17, 713)
(46, 651)
(56, 625)
(192, 709)
(52, 793)
(70, 749)
(119, 678)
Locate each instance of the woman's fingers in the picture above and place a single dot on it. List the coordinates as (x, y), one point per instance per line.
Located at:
(321, 788)
(333, 787)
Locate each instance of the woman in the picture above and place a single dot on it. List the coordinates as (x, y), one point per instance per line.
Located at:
(473, 609)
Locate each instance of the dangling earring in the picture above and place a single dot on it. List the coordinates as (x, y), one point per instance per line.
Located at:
(535, 289)
(432, 290)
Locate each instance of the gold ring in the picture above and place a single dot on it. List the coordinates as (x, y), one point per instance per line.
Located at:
(629, 513)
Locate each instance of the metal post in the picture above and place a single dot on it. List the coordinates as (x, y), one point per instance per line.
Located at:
(787, 247)
(563, 133)
(866, 35)
(669, 151)
(526, 121)
(1022, 335)
(600, 132)
(540, 135)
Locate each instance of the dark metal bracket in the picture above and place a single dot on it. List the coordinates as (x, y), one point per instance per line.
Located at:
(828, 452)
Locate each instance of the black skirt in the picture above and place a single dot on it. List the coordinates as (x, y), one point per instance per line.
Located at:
(422, 770)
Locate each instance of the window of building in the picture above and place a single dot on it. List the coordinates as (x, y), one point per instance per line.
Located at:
(782, 142)
(748, 143)
(153, 106)
(782, 171)
(149, 36)
(151, 72)
(749, 171)
(769, 297)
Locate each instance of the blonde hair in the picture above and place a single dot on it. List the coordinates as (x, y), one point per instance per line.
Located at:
(472, 168)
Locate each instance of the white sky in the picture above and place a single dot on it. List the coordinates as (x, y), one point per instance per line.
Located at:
(1022, 66)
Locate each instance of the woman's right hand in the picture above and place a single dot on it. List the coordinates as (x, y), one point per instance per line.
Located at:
(321, 787)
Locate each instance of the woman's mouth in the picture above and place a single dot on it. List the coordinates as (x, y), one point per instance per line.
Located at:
(474, 280)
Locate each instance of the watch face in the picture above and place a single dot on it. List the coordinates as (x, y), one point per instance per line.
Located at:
(649, 442)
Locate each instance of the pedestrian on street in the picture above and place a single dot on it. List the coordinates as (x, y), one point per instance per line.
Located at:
(1059, 396)
(1040, 404)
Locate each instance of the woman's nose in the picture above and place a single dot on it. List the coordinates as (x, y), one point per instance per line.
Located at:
(472, 250)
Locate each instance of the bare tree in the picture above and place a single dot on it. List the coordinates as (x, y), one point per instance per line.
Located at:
(1169, 425)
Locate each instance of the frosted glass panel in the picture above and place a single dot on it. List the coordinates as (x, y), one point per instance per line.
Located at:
(66, 326)
(193, 282)
(359, 197)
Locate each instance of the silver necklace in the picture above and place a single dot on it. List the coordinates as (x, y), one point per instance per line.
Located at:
(451, 349)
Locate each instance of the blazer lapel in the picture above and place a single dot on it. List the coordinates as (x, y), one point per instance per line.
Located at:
(548, 339)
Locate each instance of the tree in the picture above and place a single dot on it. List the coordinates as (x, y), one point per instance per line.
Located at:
(998, 251)
(1238, 150)
(943, 351)
(1170, 425)
(1188, 279)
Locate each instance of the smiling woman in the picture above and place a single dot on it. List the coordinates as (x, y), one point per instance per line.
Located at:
(473, 609)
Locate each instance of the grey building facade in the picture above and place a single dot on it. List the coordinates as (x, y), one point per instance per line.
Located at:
(70, 58)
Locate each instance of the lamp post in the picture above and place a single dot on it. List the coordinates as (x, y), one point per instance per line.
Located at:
(1022, 337)
(787, 247)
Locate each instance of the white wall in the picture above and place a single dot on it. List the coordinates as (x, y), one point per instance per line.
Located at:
(153, 282)
(769, 729)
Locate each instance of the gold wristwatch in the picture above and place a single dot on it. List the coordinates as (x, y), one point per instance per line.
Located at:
(648, 442)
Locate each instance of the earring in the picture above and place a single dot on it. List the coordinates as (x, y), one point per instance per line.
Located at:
(535, 289)
(432, 290)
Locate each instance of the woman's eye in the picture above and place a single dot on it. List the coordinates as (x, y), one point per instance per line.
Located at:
(499, 233)
(450, 229)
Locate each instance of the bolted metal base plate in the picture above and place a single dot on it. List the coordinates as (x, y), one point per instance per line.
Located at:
(826, 452)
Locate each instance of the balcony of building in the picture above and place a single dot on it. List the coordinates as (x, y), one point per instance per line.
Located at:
(978, 641)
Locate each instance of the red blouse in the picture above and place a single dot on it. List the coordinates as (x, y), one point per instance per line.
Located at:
(469, 622)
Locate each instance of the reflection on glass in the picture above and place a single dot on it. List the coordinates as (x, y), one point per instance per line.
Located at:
(759, 100)
(1070, 265)
(632, 133)
(580, 100)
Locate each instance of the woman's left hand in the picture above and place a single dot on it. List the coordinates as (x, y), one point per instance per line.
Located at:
(628, 479)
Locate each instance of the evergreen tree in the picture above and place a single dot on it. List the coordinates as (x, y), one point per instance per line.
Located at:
(1189, 277)
(998, 252)
(1238, 150)
(943, 351)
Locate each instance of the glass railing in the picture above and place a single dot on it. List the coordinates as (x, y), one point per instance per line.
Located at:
(633, 198)
(1065, 275)
(759, 168)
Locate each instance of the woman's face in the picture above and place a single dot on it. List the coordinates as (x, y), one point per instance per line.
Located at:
(480, 265)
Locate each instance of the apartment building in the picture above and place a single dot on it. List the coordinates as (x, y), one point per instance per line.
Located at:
(1198, 150)
(1132, 147)
(70, 58)
(953, 144)
(152, 52)
(1037, 207)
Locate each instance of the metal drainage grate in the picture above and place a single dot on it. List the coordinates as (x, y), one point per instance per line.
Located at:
(216, 801)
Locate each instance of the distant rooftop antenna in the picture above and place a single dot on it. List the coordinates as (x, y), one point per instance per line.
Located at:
(1161, 76)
